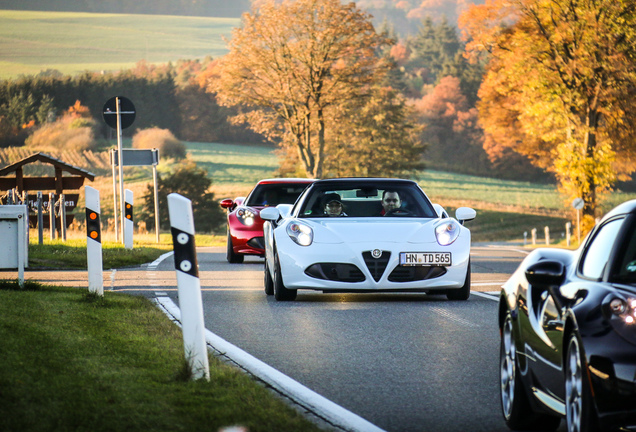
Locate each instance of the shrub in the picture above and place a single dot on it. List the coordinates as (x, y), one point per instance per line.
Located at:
(191, 182)
(75, 130)
(169, 146)
(63, 135)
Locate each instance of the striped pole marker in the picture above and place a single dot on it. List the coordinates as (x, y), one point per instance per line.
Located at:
(128, 219)
(189, 285)
(94, 242)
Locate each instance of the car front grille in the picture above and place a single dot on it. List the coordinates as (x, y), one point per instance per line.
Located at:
(376, 266)
(338, 272)
(415, 273)
(257, 242)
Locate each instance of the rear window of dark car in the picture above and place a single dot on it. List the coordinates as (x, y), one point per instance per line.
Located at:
(274, 194)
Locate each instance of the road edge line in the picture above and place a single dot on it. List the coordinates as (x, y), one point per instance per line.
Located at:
(298, 393)
(488, 296)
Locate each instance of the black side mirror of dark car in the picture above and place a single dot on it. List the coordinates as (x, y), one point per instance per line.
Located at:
(546, 273)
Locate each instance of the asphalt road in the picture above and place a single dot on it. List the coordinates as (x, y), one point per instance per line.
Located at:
(404, 362)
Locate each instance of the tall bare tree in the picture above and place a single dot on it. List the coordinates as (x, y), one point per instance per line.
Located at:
(296, 66)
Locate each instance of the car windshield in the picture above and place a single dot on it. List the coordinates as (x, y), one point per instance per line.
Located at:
(272, 194)
(626, 271)
(366, 200)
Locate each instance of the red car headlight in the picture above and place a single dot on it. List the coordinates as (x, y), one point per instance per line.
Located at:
(246, 215)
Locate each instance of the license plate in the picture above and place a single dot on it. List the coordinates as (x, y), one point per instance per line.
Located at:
(425, 258)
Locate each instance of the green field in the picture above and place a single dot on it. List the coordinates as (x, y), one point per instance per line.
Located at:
(234, 169)
(73, 42)
(505, 209)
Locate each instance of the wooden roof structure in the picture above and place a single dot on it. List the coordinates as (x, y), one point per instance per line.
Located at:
(59, 183)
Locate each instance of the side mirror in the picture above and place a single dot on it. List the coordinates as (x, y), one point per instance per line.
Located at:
(284, 210)
(464, 214)
(227, 203)
(270, 214)
(546, 273)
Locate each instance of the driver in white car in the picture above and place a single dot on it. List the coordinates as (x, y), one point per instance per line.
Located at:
(390, 201)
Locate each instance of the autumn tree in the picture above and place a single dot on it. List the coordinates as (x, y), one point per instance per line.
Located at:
(381, 140)
(436, 51)
(298, 66)
(560, 87)
(455, 139)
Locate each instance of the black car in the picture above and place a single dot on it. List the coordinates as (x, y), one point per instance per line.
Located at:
(568, 333)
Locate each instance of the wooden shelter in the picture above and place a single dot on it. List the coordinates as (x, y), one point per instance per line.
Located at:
(59, 183)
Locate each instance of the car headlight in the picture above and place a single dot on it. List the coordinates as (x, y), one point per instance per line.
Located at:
(300, 233)
(246, 216)
(619, 309)
(447, 232)
(623, 309)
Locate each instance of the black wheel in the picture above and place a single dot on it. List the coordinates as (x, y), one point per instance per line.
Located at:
(268, 281)
(232, 258)
(462, 293)
(515, 406)
(280, 292)
(579, 407)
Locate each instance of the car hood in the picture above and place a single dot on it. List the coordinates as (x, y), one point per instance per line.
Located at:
(348, 230)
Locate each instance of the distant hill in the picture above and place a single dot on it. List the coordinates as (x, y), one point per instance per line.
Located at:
(404, 15)
(207, 8)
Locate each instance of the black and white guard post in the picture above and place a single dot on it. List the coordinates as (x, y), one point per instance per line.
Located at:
(94, 242)
(128, 219)
(188, 284)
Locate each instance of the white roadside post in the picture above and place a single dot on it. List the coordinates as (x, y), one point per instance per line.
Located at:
(94, 242)
(128, 219)
(188, 284)
(578, 205)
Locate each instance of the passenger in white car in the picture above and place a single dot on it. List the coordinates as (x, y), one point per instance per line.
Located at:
(333, 205)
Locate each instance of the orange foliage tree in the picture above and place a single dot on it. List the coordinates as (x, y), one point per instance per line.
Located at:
(559, 87)
(451, 130)
(301, 68)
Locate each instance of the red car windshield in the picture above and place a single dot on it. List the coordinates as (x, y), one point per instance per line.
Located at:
(274, 194)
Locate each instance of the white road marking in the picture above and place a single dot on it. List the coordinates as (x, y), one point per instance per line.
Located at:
(305, 397)
(453, 317)
(153, 265)
(491, 296)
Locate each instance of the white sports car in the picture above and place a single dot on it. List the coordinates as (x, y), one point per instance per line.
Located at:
(366, 235)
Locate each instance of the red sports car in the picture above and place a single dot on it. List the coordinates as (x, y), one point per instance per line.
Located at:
(244, 225)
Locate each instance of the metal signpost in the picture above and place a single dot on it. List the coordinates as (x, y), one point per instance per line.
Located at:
(140, 157)
(119, 113)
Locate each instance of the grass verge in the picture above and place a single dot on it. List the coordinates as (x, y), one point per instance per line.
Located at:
(497, 226)
(71, 254)
(72, 361)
